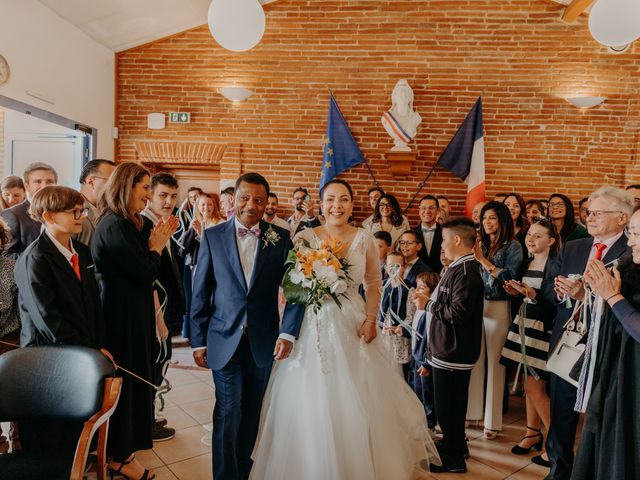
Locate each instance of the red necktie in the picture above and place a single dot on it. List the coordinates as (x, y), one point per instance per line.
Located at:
(600, 247)
(75, 263)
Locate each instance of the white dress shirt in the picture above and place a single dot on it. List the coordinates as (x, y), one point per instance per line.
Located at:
(247, 248)
(62, 249)
(408, 267)
(608, 244)
(428, 233)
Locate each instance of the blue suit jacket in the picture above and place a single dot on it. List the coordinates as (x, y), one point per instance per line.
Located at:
(223, 303)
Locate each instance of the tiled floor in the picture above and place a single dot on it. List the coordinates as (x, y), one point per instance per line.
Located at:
(189, 408)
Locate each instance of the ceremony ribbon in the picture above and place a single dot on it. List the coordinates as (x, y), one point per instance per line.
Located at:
(394, 316)
(117, 367)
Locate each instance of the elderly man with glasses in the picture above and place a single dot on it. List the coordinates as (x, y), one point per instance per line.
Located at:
(609, 211)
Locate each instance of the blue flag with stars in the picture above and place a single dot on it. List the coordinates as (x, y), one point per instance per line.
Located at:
(341, 150)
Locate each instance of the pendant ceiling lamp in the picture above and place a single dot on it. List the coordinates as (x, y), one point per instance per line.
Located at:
(237, 25)
(615, 22)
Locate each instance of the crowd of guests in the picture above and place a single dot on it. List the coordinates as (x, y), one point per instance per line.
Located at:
(469, 306)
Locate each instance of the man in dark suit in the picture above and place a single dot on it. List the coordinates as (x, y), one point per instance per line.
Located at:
(24, 229)
(235, 324)
(609, 211)
(429, 232)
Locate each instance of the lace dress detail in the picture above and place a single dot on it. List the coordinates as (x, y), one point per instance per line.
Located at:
(336, 409)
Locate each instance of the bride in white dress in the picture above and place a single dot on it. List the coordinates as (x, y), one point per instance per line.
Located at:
(336, 410)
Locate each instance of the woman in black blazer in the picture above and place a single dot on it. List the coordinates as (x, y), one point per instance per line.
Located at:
(127, 262)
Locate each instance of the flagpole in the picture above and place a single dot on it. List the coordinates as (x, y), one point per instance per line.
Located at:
(424, 182)
(366, 162)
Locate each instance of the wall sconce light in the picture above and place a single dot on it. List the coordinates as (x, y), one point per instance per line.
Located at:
(586, 102)
(235, 94)
(155, 121)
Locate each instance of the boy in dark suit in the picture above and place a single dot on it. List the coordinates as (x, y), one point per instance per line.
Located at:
(410, 245)
(58, 293)
(59, 300)
(164, 197)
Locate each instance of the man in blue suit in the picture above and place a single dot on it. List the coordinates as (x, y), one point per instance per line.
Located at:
(235, 324)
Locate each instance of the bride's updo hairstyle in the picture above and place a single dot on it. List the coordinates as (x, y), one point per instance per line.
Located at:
(339, 182)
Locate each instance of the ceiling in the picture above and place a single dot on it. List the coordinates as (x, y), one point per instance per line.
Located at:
(123, 24)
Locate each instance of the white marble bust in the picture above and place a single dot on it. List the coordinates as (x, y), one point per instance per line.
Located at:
(401, 121)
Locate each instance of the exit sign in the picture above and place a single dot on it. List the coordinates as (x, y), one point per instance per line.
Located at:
(179, 117)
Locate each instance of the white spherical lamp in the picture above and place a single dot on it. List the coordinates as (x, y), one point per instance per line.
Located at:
(615, 22)
(237, 25)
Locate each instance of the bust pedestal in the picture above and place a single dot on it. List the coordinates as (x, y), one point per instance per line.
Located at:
(400, 163)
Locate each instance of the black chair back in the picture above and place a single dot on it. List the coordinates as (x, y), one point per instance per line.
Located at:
(58, 381)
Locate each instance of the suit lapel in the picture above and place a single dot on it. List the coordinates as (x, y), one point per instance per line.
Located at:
(56, 257)
(231, 245)
(436, 244)
(616, 249)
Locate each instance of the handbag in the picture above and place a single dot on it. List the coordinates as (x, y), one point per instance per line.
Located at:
(571, 346)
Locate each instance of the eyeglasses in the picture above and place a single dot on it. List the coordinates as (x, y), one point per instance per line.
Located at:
(601, 213)
(384, 205)
(78, 213)
(407, 242)
(556, 205)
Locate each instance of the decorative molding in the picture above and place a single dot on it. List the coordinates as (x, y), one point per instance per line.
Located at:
(180, 152)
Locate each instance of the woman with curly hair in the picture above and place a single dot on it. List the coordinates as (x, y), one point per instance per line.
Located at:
(388, 217)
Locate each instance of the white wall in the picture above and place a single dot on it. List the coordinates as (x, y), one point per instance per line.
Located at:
(28, 139)
(52, 58)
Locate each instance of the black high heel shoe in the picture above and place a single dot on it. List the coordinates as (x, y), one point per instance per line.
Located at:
(518, 450)
(113, 472)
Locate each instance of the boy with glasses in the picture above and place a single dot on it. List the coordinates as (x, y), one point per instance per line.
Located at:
(58, 293)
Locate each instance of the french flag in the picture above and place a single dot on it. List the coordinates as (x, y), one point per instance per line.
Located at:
(464, 156)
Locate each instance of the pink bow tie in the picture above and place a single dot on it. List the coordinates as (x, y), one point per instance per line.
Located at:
(243, 232)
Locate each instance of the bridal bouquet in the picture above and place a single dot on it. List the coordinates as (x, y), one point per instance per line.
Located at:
(316, 272)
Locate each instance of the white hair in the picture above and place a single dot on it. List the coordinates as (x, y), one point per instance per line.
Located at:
(621, 197)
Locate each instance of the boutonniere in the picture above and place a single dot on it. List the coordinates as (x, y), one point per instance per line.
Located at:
(270, 237)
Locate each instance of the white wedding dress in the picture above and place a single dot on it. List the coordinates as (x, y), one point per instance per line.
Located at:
(336, 409)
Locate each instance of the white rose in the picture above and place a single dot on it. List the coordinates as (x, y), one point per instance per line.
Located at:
(296, 277)
(324, 273)
(340, 286)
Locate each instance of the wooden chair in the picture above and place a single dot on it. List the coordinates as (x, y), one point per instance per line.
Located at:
(57, 383)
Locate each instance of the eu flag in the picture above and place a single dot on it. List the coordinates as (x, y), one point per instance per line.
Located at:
(341, 151)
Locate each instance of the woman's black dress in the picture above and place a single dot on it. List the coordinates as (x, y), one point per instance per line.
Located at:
(127, 270)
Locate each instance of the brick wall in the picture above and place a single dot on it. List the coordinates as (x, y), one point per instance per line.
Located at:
(517, 54)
